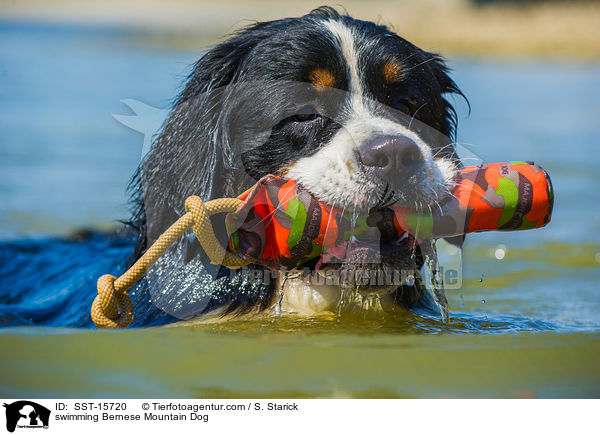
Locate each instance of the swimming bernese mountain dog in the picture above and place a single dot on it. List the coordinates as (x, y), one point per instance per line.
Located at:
(350, 110)
(347, 108)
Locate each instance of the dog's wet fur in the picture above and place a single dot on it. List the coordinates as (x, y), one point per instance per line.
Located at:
(355, 113)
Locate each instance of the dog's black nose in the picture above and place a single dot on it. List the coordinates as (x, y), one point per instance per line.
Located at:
(392, 157)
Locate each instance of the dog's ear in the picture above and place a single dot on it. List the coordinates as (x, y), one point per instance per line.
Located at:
(220, 65)
(192, 154)
(437, 65)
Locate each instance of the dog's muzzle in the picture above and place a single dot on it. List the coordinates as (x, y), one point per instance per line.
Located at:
(393, 159)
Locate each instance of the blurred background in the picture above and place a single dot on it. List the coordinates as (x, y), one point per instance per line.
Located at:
(65, 66)
(531, 71)
(515, 28)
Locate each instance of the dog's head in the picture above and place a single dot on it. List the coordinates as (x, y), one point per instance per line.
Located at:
(350, 110)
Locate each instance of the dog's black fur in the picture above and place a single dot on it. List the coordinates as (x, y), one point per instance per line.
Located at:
(234, 122)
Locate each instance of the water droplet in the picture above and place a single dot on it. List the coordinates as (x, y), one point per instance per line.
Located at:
(483, 301)
(410, 280)
(500, 252)
(481, 278)
(339, 306)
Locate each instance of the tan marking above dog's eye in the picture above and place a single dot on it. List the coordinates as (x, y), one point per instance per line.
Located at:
(321, 78)
(392, 72)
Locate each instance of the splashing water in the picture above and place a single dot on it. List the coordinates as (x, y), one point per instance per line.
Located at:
(435, 282)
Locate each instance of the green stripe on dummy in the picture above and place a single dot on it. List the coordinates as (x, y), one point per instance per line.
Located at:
(358, 227)
(233, 236)
(421, 225)
(314, 253)
(510, 192)
(297, 214)
(527, 224)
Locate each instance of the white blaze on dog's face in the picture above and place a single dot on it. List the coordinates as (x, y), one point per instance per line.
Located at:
(339, 173)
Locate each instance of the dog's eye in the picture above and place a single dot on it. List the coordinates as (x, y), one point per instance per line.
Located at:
(403, 106)
(306, 114)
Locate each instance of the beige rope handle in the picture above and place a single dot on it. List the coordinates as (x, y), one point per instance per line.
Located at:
(112, 308)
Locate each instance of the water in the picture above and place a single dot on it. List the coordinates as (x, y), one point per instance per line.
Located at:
(526, 323)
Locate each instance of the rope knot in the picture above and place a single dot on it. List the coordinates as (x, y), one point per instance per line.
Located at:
(111, 309)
